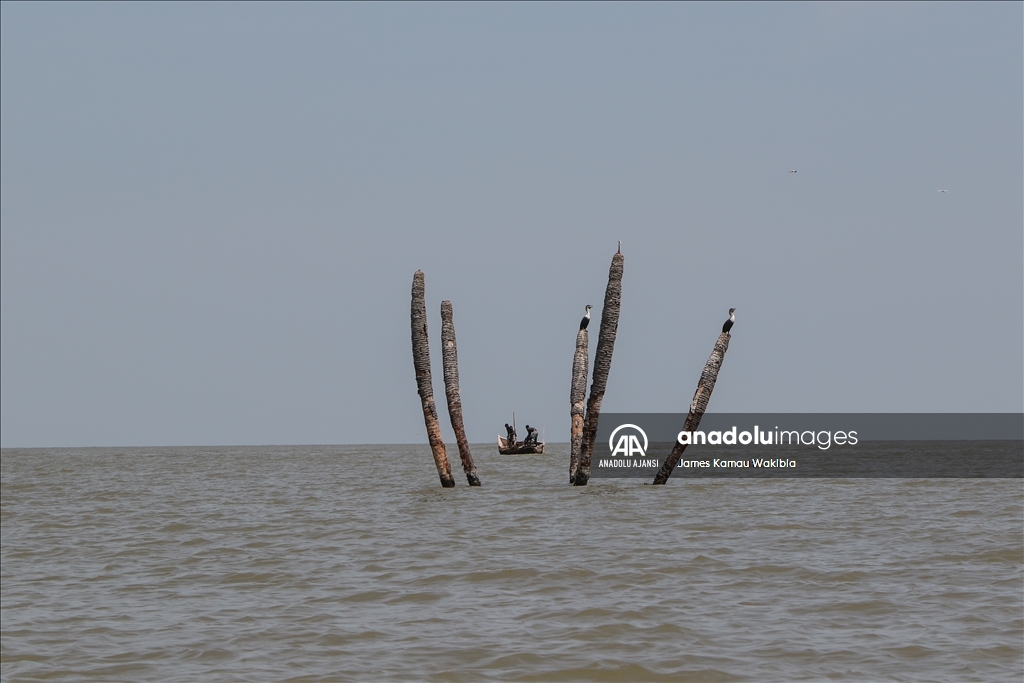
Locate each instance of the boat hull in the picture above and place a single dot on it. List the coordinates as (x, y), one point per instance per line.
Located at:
(519, 448)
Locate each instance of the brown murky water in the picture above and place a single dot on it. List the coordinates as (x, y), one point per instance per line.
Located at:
(314, 563)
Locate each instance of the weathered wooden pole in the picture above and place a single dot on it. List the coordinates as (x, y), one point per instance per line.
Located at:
(450, 357)
(421, 361)
(602, 364)
(699, 404)
(577, 399)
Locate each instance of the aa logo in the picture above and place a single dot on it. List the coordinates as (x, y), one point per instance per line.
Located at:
(628, 444)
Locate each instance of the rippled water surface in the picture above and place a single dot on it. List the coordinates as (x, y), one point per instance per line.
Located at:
(351, 563)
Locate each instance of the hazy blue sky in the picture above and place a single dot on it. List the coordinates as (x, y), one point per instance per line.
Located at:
(211, 214)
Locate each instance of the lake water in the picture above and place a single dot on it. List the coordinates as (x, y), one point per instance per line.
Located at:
(322, 563)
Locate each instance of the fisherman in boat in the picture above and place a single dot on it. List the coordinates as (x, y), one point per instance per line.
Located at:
(531, 436)
(511, 434)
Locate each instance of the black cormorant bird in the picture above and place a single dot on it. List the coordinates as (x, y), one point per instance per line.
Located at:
(586, 319)
(728, 323)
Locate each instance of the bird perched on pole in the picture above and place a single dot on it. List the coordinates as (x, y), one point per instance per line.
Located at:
(732, 319)
(586, 319)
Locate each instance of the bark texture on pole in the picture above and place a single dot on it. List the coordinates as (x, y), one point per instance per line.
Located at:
(421, 361)
(450, 357)
(577, 400)
(602, 364)
(699, 404)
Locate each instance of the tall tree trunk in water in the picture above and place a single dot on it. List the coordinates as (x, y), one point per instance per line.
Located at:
(421, 361)
(602, 364)
(450, 356)
(577, 398)
(699, 404)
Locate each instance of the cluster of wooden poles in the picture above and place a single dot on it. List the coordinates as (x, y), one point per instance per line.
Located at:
(585, 414)
(450, 358)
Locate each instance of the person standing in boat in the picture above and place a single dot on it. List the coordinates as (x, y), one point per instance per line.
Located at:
(511, 434)
(531, 436)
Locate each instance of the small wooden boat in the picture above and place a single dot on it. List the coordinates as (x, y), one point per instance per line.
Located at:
(519, 448)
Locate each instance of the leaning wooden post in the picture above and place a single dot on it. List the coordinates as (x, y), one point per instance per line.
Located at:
(450, 357)
(699, 404)
(577, 398)
(421, 361)
(602, 364)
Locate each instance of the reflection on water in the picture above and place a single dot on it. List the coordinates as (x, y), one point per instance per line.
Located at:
(314, 563)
